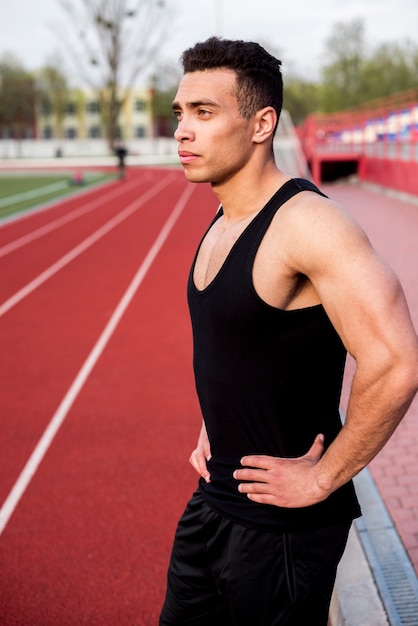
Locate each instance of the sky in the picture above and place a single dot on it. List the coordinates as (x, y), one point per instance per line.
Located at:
(296, 31)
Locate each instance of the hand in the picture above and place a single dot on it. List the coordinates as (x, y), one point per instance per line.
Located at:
(289, 483)
(201, 455)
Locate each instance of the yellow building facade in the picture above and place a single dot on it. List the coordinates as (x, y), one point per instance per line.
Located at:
(79, 117)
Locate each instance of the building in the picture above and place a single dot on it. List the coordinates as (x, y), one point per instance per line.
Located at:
(78, 116)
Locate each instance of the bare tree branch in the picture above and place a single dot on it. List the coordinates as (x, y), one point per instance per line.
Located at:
(112, 42)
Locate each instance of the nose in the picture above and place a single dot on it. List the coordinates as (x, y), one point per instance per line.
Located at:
(183, 131)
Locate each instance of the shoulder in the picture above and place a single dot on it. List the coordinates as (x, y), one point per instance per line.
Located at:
(314, 229)
(309, 208)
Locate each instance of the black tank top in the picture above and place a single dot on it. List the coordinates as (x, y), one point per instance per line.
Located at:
(268, 380)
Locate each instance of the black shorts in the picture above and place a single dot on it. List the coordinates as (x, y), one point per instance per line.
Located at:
(224, 574)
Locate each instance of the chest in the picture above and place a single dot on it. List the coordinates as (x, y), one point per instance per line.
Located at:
(274, 281)
(214, 251)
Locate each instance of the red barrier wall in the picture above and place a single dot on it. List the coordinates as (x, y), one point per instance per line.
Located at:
(394, 174)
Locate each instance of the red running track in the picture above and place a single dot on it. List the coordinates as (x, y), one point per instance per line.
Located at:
(88, 528)
(98, 409)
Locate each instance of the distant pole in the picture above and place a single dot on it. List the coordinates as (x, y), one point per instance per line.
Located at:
(218, 18)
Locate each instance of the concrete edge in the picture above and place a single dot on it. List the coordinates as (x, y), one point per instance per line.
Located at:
(355, 600)
(376, 583)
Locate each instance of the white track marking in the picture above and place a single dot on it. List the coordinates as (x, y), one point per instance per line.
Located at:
(81, 247)
(58, 418)
(33, 193)
(65, 219)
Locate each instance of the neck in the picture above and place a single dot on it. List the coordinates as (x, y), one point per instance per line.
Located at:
(245, 193)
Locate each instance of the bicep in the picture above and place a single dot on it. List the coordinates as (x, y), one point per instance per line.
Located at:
(365, 302)
(361, 294)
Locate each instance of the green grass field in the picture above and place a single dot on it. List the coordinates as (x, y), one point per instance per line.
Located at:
(19, 192)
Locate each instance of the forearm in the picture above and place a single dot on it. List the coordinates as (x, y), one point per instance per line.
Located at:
(375, 409)
(376, 405)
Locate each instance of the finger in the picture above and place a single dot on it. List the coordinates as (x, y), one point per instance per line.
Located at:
(317, 448)
(258, 461)
(262, 498)
(255, 475)
(253, 488)
(198, 462)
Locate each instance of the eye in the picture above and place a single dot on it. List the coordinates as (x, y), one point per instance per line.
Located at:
(177, 114)
(204, 113)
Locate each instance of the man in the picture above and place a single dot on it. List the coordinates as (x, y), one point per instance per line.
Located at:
(121, 154)
(283, 284)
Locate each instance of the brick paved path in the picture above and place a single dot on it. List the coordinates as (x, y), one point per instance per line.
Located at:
(392, 226)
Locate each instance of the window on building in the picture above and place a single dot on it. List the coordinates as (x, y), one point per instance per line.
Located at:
(46, 108)
(94, 132)
(93, 106)
(71, 108)
(139, 131)
(140, 105)
(70, 133)
(47, 132)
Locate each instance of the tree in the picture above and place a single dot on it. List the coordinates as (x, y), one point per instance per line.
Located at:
(342, 77)
(113, 41)
(392, 68)
(164, 87)
(17, 99)
(52, 93)
(300, 98)
(354, 75)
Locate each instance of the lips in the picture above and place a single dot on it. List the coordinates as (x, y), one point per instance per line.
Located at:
(187, 157)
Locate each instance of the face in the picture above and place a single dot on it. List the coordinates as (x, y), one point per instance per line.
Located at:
(215, 141)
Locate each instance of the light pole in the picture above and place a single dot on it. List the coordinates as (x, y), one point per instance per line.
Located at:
(218, 25)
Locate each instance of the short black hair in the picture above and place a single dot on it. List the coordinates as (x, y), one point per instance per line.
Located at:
(259, 77)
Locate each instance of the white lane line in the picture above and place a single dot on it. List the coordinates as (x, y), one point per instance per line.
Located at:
(33, 193)
(65, 219)
(58, 418)
(81, 247)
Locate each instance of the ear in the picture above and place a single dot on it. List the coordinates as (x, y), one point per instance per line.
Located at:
(265, 123)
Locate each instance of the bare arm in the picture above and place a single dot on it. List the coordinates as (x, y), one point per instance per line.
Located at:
(366, 304)
(384, 346)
